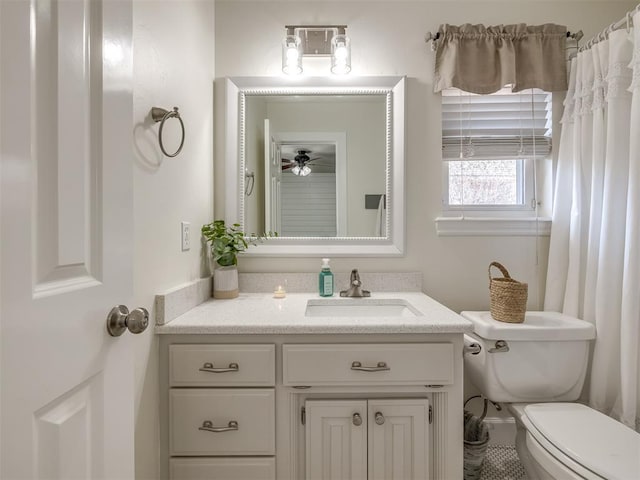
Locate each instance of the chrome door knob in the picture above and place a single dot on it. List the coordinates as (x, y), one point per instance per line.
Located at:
(120, 319)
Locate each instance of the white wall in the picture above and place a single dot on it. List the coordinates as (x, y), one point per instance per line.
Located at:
(387, 38)
(173, 66)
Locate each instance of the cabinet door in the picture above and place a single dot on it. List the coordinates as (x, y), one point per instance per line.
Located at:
(336, 439)
(398, 439)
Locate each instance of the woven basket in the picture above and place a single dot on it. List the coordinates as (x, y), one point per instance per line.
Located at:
(508, 296)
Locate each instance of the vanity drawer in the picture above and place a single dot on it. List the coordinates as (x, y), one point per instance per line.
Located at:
(196, 413)
(254, 468)
(368, 364)
(222, 365)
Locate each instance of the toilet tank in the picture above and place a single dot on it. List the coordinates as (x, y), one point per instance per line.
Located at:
(543, 359)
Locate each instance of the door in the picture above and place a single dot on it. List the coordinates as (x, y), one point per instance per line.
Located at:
(66, 249)
(336, 439)
(398, 439)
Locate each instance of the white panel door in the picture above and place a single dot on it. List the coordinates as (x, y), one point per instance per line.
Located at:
(398, 439)
(66, 249)
(336, 439)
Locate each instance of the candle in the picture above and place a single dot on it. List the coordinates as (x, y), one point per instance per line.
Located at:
(279, 292)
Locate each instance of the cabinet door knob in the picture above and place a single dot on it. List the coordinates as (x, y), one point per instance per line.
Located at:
(379, 418)
(357, 419)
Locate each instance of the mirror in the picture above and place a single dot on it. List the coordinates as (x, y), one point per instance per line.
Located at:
(318, 160)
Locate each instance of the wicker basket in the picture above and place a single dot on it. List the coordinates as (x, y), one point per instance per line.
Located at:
(508, 296)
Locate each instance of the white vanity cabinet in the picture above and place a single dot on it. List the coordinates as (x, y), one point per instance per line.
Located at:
(280, 406)
(367, 439)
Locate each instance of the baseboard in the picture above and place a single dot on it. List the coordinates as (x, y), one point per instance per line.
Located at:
(502, 430)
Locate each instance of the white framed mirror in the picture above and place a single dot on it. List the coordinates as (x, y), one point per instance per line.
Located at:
(320, 161)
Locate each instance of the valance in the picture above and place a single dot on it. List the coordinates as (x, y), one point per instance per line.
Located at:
(480, 59)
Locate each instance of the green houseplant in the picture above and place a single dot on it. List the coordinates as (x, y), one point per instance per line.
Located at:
(227, 241)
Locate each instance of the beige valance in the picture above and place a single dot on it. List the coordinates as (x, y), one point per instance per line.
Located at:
(480, 59)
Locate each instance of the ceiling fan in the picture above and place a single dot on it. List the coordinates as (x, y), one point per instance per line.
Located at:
(299, 164)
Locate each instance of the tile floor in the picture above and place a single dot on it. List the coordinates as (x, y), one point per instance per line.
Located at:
(502, 463)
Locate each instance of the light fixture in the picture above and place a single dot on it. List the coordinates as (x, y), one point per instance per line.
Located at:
(340, 54)
(291, 55)
(316, 41)
(301, 171)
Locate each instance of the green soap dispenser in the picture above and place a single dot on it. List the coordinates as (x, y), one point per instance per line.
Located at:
(325, 279)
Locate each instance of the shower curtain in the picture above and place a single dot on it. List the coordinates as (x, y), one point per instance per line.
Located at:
(594, 253)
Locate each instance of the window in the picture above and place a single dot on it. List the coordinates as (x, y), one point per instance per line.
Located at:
(489, 147)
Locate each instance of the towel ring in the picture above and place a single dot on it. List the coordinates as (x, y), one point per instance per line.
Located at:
(161, 115)
(250, 179)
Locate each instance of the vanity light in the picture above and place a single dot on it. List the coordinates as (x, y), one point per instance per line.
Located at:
(316, 41)
(340, 54)
(291, 54)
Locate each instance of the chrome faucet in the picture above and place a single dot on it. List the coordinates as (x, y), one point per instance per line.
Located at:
(355, 287)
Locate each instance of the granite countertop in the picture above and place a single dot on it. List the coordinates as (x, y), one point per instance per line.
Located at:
(261, 313)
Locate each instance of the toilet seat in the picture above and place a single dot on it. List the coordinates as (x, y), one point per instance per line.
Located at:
(586, 441)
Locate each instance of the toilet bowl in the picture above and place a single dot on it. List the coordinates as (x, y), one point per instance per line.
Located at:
(537, 368)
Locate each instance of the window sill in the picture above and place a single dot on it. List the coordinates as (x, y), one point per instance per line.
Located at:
(491, 226)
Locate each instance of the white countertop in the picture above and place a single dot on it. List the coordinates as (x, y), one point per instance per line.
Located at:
(261, 313)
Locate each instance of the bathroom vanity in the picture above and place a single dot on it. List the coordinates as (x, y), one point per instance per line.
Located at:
(302, 387)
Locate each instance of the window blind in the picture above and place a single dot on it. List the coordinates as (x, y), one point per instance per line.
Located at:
(501, 125)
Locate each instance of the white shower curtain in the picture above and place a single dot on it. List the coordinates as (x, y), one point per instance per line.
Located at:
(594, 253)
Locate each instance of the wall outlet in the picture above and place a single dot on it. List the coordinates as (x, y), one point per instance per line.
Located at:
(185, 227)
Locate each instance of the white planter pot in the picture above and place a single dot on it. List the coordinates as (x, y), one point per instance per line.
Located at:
(225, 282)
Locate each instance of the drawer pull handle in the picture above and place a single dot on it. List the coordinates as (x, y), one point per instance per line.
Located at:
(207, 426)
(381, 367)
(208, 367)
(379, 418)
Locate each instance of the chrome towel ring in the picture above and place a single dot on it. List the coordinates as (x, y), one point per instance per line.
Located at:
(161, 115)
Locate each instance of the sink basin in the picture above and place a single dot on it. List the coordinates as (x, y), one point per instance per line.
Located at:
(360, 308)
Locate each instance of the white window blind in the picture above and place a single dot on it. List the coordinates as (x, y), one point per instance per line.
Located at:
(502, 125)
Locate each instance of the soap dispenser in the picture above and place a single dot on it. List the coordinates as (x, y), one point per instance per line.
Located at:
(325, 279)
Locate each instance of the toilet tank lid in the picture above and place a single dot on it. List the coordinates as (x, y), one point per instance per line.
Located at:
(536, 326)
(588, 437)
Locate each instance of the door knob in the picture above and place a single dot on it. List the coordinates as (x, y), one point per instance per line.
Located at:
(120, 319)
(379, 418)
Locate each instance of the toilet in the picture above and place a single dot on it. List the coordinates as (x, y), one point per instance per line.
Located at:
(537, 369)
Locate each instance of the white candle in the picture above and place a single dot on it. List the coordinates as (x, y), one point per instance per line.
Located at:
(279, 292)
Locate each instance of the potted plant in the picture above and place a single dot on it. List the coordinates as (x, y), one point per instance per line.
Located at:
(226, 243)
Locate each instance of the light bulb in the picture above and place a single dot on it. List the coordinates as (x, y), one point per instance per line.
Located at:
(296, 170)
(340, 54)
(305, 171)
(291, 55)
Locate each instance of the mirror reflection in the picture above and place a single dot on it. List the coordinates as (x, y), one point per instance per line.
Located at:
(317, 165)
